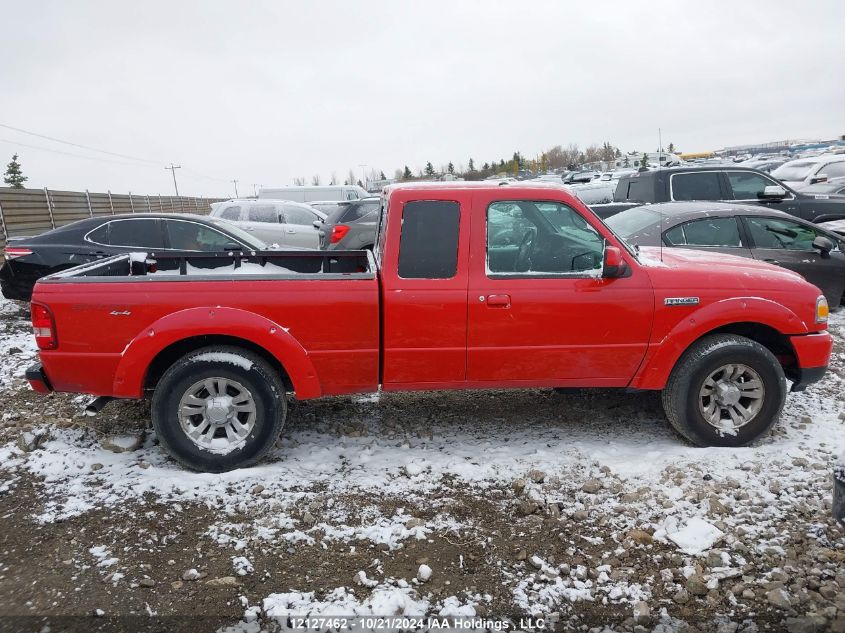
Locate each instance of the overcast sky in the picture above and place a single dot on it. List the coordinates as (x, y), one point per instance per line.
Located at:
(268, 91)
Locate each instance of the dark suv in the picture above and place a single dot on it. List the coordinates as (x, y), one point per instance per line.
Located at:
(351, 225)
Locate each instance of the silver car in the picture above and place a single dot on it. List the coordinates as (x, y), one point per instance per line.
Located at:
(276, 222)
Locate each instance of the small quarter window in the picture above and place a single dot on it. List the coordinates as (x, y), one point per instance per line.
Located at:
(100, 235)
(428, 245)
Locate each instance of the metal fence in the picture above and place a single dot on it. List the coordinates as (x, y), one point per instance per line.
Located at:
(33, 211)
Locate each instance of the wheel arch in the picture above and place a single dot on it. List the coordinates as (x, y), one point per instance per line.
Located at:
(153, 350)
(760, 320)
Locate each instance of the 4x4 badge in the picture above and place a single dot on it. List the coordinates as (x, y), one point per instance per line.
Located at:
(680, 301)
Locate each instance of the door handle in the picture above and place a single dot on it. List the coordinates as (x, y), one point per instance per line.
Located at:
(497, 301)
(772, 261)
(290, 231)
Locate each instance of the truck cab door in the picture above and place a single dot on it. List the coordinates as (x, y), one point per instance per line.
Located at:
(540, 313)
(424, 291)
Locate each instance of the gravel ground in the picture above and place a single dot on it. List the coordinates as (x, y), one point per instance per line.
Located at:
(583, 509)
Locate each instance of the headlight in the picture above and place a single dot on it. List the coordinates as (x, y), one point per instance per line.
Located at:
(821, 310)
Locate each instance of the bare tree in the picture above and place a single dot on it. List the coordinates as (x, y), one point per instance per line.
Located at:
(315, 179)
(350, 178)
(333, 181)
(592, 154)
(299, 182)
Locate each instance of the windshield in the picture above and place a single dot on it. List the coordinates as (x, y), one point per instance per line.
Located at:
(250, 240)
(632, 221)
(796, 170)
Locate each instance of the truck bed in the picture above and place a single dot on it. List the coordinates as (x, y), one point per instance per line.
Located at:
(323, 305)
(174, 266)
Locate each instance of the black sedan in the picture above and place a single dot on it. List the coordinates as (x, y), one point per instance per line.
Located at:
(30, 258)
(744, 230)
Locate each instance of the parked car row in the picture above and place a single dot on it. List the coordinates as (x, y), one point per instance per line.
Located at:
(813, 251)
(28, 259)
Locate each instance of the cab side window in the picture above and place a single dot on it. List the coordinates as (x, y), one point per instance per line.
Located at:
(747, 185)
(540, 238)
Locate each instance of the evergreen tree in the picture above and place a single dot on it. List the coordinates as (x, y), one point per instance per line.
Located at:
(360, 184)
(382, 176)
(644, 160)
(471, 165)
(671, 148)
(429, 169)
(451, 168)
(485, 167)
(13, 176)
(407, 175)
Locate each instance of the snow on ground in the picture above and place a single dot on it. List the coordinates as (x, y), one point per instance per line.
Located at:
(374, 472)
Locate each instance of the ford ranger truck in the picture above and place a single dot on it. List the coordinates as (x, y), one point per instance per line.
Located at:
(468, 287)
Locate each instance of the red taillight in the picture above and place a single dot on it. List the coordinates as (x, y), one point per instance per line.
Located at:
(12, 252)
(44, 327)
(339, 231)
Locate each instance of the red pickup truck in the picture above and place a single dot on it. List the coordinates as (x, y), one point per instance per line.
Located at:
(467, 287)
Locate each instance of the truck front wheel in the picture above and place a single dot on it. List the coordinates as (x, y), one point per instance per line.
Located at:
(726, 390)
(219, 408)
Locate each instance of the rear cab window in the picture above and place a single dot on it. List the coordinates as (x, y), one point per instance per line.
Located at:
(696, 185)
(428, 243)
(635, 189)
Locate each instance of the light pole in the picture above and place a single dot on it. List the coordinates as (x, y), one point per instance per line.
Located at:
(173, 169)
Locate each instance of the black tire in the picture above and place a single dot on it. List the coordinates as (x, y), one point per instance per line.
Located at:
(261, 383)
(681, 394)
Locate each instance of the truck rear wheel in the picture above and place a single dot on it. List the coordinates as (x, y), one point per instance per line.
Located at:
(726, 390)
(219, 408)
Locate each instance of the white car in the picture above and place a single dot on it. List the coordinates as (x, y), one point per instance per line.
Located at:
(309, 193)
(599, 191)
(288, 224)
(808, 171)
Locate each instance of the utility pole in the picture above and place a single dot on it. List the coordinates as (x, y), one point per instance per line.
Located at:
(173, 169)
(235, 181)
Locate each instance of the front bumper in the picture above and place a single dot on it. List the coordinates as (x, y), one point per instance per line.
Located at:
(38, 379)
(812, 351)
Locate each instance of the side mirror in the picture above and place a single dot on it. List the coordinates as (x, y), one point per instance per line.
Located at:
(823, 244)
(818, 178)
(317, 224)
(232, 246)
(773, 192)
(614, 265)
